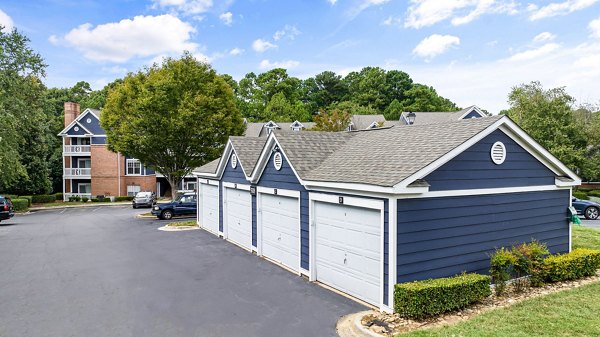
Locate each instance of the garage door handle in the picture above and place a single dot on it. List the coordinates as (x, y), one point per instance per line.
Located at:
(345, 260)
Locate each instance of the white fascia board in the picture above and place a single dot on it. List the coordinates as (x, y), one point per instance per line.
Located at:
(420, 174)
(363, 189)
(561, 183)
(221, 167)
(239, 163)
(263, 158)
(483, 191)
(473, 108)
(547, 157)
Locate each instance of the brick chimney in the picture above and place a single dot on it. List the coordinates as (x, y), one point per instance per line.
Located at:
(71, 112)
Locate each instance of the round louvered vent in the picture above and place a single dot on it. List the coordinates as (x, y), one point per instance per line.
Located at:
(233, 160)
(277, 160)
(498, 153)
(76, 128)
(89, 120)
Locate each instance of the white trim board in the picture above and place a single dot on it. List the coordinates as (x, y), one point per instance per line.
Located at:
(77, 119)
(483, 191)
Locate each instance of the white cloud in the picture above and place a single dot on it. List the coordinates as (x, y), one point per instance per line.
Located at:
(260, 45)
(266, 64)
(595, 27)
(114, 70)
(392, 21)
(422, 13)
(434, 45)
(535, 53)
(6, 21)
(487, 84)
(362, 5)
(121, 41)
(544, 37)
(236, 51)
(185, 6)
(288, 31)
(559, 8)
(332, 2)
(227, 18)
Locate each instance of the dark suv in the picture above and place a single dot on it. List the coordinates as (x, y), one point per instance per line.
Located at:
(184, 204)
(6, 208)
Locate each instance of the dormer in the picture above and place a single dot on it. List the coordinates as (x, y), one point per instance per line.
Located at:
(350, 126)
(297, 126)
(373, 125)
(270, 126)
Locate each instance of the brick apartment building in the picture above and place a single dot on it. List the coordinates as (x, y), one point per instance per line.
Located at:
(91, 169)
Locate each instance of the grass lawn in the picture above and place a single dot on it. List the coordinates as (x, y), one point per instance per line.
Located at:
(585, 237)
(572, 312)
(182, 223)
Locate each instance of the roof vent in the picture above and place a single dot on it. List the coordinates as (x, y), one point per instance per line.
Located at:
(76, 128)
(277, 160)
(89, 120)
(233, 161)
(498, 153)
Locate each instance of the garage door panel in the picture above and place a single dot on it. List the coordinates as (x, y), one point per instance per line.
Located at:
(348, 249)
(280, 229)
(239, 217)
(209, 203)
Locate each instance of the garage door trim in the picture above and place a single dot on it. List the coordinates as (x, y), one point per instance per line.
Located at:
(348, 201)
(235, 186)
(199, 204)
(286, 193)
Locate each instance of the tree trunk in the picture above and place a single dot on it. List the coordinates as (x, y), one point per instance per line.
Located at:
(173, 182)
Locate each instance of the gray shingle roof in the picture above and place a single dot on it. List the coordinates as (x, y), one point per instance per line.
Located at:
(385, 157)
(248, 150)
(210, 167)
(307, 150)
(361, 122)
(258, 130)
(426, 117)
(253, 129)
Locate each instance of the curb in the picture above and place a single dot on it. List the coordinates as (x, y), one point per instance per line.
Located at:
(177, 229)
(112, 204)
(351, 326)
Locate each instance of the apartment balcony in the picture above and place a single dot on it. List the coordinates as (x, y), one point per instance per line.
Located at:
(80, 150)
(77, 173)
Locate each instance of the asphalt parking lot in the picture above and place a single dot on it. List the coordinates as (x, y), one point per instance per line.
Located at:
(591, 223)
(102, 272)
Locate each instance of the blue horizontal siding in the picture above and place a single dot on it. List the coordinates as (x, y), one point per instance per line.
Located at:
(98, 140)
(440, 237)
(93, 125)
(234, 175)
(221, 206)
(72, 132)
(474, 168)
(254, 231)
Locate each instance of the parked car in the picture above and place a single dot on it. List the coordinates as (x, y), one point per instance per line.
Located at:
(6, 208)
(184, 204)
(589, 209)
(144, 199)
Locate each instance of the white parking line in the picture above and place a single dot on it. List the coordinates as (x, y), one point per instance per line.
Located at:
(95, 209)
(64, 210)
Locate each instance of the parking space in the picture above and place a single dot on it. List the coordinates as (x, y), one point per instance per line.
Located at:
(102, 272)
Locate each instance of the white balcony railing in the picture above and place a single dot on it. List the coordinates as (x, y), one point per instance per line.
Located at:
(77, 149)
(77, 172)
(66, 196)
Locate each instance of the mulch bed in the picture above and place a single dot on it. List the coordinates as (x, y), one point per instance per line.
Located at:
(391, 324)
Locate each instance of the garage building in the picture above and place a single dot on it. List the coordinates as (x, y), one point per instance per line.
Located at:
(362, 211)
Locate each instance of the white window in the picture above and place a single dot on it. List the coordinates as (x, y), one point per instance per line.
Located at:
(84, 163)
(190, 185)
(132, 190)
(84, 188)
(134, 167)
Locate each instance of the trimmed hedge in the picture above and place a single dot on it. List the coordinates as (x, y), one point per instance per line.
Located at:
(571, 266)
(580, 195)
(595, 193)
(422, 299)
(28, 197)
(43, 198)
(124, 198)
(10, 196)
(59, 196)
(20, 204)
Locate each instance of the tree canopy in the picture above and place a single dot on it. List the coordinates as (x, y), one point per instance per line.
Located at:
(173, 117)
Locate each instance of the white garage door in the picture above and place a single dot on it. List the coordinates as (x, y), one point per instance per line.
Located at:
(209, 207)
(347, 249)
(280, 229)
(238, 214)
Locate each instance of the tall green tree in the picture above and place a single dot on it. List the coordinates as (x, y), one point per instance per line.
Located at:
(547, 115)
(173, 117)
(334, 120)
(24, 135)
(323, 90)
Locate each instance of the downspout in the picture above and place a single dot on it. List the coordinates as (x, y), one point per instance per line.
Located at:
(118, 174)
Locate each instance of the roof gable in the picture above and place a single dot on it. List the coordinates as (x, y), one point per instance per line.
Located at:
(94, 119)
(77, 129)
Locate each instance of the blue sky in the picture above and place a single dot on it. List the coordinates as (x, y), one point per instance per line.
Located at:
(471, 51)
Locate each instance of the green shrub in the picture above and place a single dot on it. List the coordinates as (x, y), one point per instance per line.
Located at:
(530, 257)
(95, 200)
(580, 195)
(59, 196)
(421, 299)
(84, 199)
(28, 197)
(10, 196)
(502, 263)
(594, 193)
(43, 198)
(124, 198)
(20, 204)
(571, 266)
